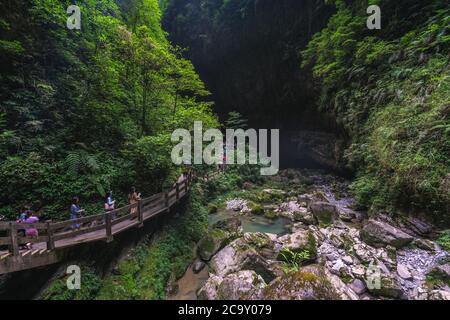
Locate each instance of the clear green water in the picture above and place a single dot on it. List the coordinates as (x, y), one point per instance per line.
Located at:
(253, 223)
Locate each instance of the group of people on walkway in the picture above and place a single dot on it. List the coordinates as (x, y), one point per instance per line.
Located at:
(109, 205)
(28, 216)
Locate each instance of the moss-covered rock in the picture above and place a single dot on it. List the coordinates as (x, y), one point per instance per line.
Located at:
(387, 286)
(324, 212)
(270, 214)
(301, 242)
(380, 234)
(211, 243)
(242, 285)
(304, 216)
(212, 208)
(306, 284)
(256, 208)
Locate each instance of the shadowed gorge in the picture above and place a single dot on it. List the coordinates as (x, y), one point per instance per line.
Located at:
(248, 54)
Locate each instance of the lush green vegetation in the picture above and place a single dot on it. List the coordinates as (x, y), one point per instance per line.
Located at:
(84, 111)
(389, 90)
(444, 240)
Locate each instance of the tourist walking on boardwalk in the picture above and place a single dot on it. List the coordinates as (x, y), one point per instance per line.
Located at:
(109, 202)
(133, 198)
(30, 231)
(75, 212)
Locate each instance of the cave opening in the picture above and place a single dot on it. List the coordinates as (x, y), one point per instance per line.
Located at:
(248, 53)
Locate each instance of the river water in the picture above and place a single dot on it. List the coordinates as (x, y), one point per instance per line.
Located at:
(253, 223)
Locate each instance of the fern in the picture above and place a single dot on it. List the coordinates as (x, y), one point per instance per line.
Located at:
(73, 161)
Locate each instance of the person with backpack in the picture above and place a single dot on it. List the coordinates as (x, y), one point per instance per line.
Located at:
(109, 202)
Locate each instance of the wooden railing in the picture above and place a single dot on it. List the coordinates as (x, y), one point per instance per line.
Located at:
(53, 235)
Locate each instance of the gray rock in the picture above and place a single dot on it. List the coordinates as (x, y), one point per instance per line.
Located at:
(324, 212)
(439, 295)
(198, 266)
(305, 217)
(337, 268)
(403, 272)
(442, 272)
(359, 271)
(418, 226)
(425, 244)
(310, 283)
(358, 286)
(212, 243)
(380, 234)
(245, 254)
(332, 256)
(347, 259)
(209, 289)
(299, 241)
(346, 214)
(387, 286)
(242, 285)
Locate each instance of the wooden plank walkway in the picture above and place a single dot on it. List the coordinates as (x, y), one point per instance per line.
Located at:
(60, 235)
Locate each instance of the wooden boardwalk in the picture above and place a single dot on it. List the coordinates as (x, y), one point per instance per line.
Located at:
(55, 236)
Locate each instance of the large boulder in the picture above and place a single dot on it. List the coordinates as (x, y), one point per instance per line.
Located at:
(439, 295)
(418, 226)
(247, 253)
(304, 216)
(440, 274)
(386, 286)
(198, 266)
(379, 234)
(346, 214)
(232, 225)
(302, 241)
(211, 243)
(324, 212)
(310, 283)
(358, 286)
(209, 289)
(242, 285)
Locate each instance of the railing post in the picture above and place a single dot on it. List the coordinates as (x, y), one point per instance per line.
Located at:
(108, 225)
(13, 236)
(188, 180)
(140, 214)
(177, 187)
(51, 241)
(166, 200)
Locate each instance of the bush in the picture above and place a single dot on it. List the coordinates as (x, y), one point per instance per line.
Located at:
(256, 208)
(444, 240)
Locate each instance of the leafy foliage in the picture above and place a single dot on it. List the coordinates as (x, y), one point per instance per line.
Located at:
(89, 110)
(389, 90)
